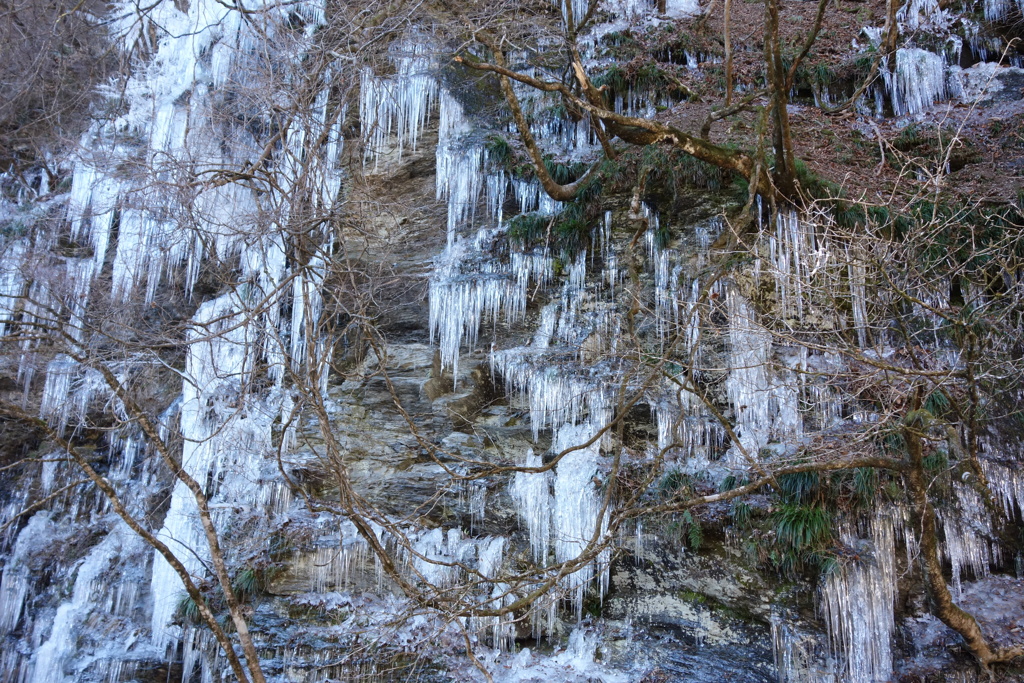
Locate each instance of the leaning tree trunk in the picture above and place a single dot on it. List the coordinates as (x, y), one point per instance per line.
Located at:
(943, 606)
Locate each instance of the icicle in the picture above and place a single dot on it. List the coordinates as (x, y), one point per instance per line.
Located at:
(532, 495)
(12, 280)
(967, 531)
(460, 176)
(918, 81)
(460, 302)
(555, 398)
(1007, 485)
(796, 657)
(399, 104)
(857, 603)
(858, 301)
(748, 385)
(577, 515)
(917, 14)
(996, 10)
(546, 328)
(55, 406)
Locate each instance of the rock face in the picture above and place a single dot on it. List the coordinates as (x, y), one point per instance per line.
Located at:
(448, 433)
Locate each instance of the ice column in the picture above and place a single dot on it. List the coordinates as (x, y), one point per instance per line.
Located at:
(918, 82)
(748, 385)
(578, 515)
(225, 432)
(857, 603)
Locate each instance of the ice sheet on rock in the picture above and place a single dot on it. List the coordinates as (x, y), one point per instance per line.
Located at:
(333, 567)
(459, 303)
(978, 82)
(546, 327)
(307, 305)
(632, 10)
(667, 271)
(859, 299)
(575, 10)
(200, 650)
(682, 8)
(433, 554)
(17, 578)
(578, 662)
(563, 512)
(48, 662)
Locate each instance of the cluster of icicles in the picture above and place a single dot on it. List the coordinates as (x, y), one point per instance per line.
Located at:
(567, 375)
(562, 378)
(919, 78)
(204, 49)
(172, 113)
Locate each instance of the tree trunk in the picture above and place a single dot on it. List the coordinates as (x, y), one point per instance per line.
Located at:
(778, 77)
(943, 606)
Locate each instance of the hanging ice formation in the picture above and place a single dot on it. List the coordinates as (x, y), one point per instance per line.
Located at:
(226, 435)
(917, 81)
(565, 514)
(857, 602)
(564, 374)
(798, 654)
(201, 55)
(996, 10)
(393, 110)
(968, 536)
